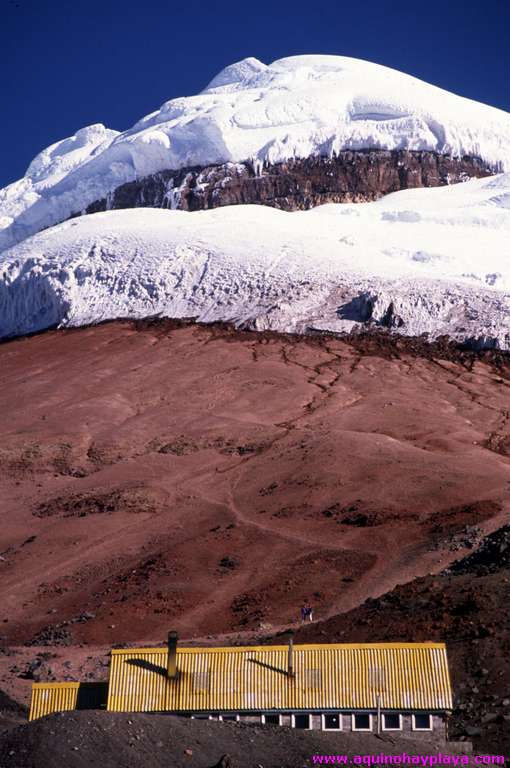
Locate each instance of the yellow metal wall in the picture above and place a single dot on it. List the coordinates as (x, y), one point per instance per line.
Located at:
(406, 676)
(52, 697)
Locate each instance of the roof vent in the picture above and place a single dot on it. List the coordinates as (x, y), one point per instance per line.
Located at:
(172, 655)
(290, 658)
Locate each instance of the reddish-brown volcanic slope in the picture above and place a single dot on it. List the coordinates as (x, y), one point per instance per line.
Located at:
(156, 476)
(466, 606)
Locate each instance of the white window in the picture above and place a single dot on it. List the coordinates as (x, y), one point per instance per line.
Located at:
(391, 721)
(422, 722)
(301, 721)
(332, 721)
(362, 722)
(271, 719)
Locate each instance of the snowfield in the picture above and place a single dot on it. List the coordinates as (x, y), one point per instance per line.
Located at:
(433, 261)
(296, 107)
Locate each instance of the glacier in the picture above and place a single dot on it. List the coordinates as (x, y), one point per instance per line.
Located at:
(422, 261)
(296, 107)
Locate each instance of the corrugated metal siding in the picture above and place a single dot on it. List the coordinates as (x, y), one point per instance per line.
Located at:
(58, 697)
(52, 697)
(406, 676)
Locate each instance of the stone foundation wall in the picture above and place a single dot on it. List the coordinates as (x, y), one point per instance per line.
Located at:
(438, 723)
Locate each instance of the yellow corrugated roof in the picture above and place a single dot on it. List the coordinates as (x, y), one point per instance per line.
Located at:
(243, 678)
(58, 697)
(52, 697)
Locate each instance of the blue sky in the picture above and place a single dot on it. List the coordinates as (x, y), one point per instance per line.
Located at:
(64, 65)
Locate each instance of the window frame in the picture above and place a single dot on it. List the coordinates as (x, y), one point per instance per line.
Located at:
(270, 714)
(400, 723)
(423, 730)
(340, 721)
(362, 730)
(300, 714)
(230, 715)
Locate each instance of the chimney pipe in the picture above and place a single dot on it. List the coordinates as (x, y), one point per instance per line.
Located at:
(172, 655)
(290, 664)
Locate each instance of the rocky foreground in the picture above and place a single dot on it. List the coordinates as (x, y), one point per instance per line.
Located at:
(137, 741)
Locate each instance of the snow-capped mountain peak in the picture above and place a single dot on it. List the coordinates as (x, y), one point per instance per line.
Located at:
(297, 107)
(236, 74)
(66, 155)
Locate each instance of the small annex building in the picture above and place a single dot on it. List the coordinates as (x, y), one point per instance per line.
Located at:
(337, 687)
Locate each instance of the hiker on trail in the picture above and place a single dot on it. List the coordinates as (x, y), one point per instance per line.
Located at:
(306, 613)
(303, 613)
